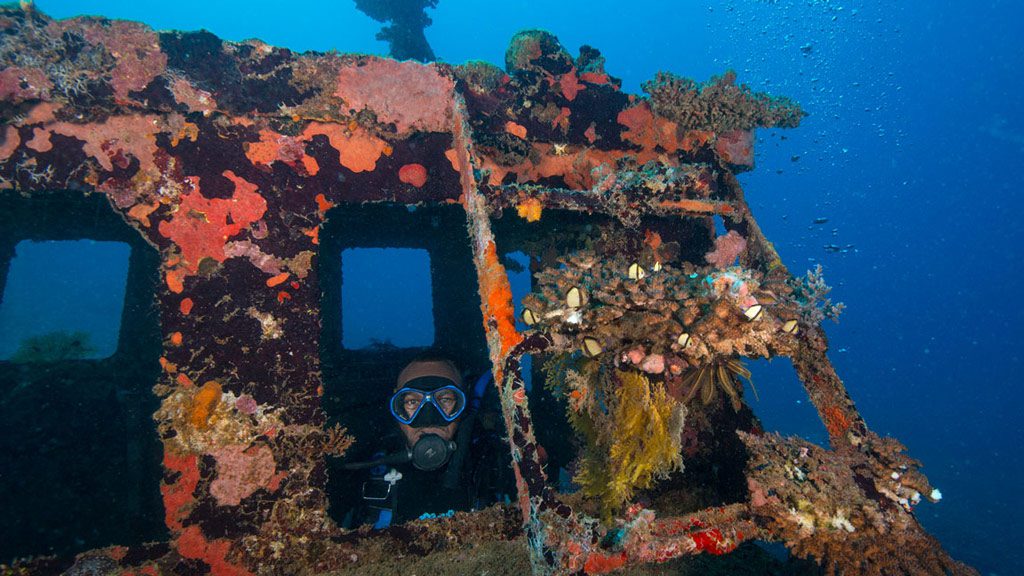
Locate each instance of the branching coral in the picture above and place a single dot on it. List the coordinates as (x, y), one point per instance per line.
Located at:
(810, 293)
(719, 104)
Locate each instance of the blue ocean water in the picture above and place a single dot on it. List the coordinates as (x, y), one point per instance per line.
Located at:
(913, 152)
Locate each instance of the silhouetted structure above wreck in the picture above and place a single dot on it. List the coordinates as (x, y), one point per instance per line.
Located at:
(238, 172)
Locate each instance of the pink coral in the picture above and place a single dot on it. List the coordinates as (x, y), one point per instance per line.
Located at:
(240, 472)
(727, 249)
(409, 94)
(20, 84)
(134, 46)
(246, 404)
(636, 355)
(201, 225)
(653, 364)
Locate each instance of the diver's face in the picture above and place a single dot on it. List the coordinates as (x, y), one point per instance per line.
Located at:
(412, 435)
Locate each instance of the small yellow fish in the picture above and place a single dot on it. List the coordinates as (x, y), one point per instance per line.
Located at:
(590, 347)
(529, 318)
(754, 312)
(574, 298)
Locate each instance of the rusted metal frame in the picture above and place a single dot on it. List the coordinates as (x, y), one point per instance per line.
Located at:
(510, 195)
(825, 390)
(502, 336)
(717, 530)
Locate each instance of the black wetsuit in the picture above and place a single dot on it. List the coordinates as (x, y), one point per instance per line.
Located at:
(486, 478)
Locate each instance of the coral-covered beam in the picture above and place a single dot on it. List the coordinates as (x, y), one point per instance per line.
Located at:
(506, 346)
(643, 538)
(516, 196)
(828, 394)
(499, 322)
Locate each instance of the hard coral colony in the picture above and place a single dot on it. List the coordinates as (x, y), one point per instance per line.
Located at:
(226, 157)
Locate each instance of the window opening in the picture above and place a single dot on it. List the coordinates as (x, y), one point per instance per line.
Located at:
(417, 267)
(782, 405)
(720, 229)
(517, 267)
(63, 300)
(386, 298)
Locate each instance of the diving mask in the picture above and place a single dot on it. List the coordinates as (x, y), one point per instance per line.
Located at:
(422, 408)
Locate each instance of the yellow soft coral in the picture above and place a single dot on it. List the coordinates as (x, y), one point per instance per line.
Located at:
(530, 209)
(637, 441)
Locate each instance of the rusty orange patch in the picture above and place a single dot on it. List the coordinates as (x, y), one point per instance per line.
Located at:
(836, 421)
(188, 130)
(279, 279)
(40, 141)
(168, 366)
(570, 85)
(413, 174)
(322, 203)
(498, 304)
(562, 120)
(274, 147)
(174, 283)
(141, 212)
(358, 150)
(203, 405)
(453, 157)
(177, 493)
(11, 141)
(516, 130)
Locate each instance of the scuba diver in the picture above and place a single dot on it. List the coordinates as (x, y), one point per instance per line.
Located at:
(446, 455)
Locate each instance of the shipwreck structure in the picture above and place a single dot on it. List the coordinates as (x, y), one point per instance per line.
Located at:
(238, 172)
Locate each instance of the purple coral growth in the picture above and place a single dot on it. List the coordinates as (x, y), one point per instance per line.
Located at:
(246, 404)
